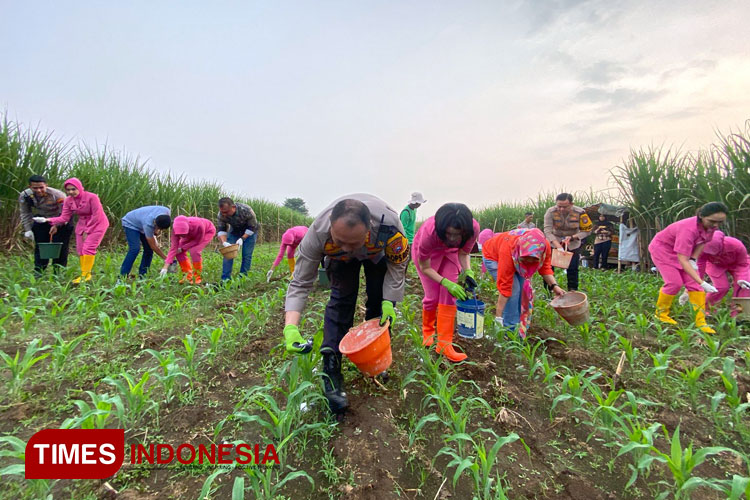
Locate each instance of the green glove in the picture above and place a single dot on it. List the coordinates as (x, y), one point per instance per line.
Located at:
(454, 289)
(294, 341)
(388, 313)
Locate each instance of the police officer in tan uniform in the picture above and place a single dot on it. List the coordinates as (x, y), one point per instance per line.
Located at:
(354, 232)
(567, 225)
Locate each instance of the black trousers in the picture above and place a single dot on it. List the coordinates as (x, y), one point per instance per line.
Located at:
(601, 252)
(41, 235)
(339, 315)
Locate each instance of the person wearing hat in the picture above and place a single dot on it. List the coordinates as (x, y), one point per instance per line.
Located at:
(409, 215)
(141, 226)
(354, 232)
(41, 200)
(189, 234)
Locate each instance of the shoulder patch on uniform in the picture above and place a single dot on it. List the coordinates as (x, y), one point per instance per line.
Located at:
(585, 222)
(397, 248)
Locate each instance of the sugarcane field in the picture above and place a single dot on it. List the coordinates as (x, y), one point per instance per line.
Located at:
(375, 251)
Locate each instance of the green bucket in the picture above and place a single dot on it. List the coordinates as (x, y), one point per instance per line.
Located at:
(323, 278)
(49, 250)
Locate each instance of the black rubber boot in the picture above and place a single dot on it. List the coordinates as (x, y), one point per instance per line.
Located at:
(332, 383)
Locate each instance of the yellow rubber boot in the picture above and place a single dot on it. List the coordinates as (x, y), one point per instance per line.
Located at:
(87, 263)
(198, 269)
(698, 301)
(291, 265)
(428, 327)
(187, 270)
(446, 322)
(663, 305)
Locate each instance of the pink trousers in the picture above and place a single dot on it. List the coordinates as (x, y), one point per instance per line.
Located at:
(434, 292)
(87, 243)
(674, 277)
(196, 247)
(719, 279)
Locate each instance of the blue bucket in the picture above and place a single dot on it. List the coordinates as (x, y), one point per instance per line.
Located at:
(470, 318)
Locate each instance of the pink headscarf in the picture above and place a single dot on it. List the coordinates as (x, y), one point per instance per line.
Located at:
(531, 243)
(180, 225)
(716, 245)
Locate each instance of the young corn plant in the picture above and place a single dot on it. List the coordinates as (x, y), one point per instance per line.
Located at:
(92, 417)
(133, 401)
(682, 462)
(61, 352)
(487, 484)
(661, 363)
(38, 488)
(189, 355)
(691, 378)
(169, 373)
(731, 394)
(19, 368)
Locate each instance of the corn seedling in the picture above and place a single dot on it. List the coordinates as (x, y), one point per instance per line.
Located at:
(19, 368)
(133, 402)
(92, 417)
(168, 373)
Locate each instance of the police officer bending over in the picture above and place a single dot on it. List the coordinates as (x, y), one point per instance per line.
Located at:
(356, 231)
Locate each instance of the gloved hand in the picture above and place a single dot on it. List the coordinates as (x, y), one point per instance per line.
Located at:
(40, 220)
(683, 298)
(240, 241)
(471, 280)
(693, 264)
(268, 275)
(226, 244)
(389, 314)
(163, 272)
(454, 289)
(744, 284)
(294, 341)
(29, 235)
(708, 287)
(499, 321)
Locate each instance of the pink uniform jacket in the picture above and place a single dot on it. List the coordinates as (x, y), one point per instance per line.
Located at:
(91, 216)
(189, 233)
(92, 221)
(680, 237)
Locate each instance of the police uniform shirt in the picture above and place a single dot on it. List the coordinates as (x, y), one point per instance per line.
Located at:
(576, 223)
(389, 243)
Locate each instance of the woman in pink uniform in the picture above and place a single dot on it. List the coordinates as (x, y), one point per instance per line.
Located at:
(290, 240)
(441, 250)
(91, 226)
(485, 235)
(675, 251)
(189, 234)
(722, 255)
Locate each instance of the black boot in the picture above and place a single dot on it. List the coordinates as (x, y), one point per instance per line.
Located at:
(332, 383)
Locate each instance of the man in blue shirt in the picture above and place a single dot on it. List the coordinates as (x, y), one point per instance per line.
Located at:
(141, 226)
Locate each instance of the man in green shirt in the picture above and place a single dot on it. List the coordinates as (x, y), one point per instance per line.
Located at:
(409, 215)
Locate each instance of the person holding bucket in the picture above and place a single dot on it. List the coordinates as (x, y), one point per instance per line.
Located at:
(236, 224)
(441, 252)
(675, 251)
(41, 200)
(721, 256)
(513, 258)
(189, 234)
(141, 226)
(91, 226)
(356, 231)
(566, 226)
(290, 240)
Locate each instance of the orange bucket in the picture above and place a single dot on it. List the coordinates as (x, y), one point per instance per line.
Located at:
(368, 345)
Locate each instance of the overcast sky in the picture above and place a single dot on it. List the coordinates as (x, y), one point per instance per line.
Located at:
(466, 101)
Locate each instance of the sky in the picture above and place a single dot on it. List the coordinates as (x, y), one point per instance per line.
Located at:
(477, 102)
